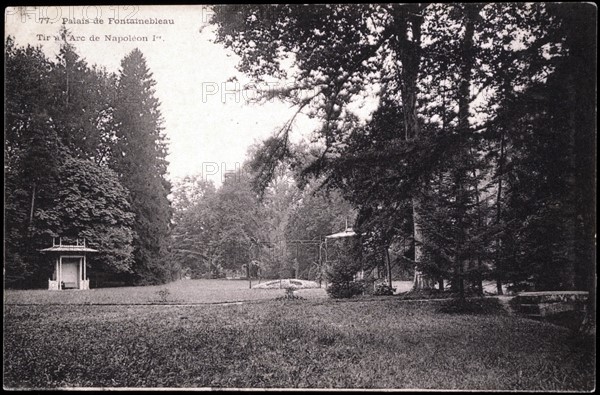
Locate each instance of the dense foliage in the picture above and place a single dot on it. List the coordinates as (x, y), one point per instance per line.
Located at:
(138, 157)
(80, 164)
(233, 229)
(344, 266)
(481, 149)
(90, 203)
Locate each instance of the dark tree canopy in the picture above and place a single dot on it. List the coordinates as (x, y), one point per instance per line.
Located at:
(468, 130)
(65, 124)
(139, 159)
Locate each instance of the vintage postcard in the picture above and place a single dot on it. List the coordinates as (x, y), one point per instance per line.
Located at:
(377, 197)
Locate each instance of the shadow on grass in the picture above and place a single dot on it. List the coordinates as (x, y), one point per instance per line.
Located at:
(479, 306)
(435, 293)
(426, 294)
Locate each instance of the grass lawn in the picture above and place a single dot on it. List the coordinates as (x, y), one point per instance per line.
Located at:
(183, 291)
(316, 343)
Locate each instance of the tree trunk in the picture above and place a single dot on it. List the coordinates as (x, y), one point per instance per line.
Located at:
(471, 12)
(479, 277)
(571, 220)
(389, 266)
(420, 281)
(409, 51)
(461, 281)
(32, 208)
(459, 263)
(499, 213)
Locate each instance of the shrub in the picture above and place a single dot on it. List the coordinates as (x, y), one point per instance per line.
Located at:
(342, 271)
(383, 289)
(348, 289)
(163, 295)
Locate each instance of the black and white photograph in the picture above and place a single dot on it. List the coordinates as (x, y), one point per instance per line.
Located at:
(256, 197)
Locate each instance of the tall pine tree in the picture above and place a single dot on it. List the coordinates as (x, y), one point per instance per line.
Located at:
(139, 158)
(82, 104)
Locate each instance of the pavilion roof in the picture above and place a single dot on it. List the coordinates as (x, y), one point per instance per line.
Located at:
(348, 232)
(68, 248)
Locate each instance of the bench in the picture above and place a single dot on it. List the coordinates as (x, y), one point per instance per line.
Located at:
(541, 304)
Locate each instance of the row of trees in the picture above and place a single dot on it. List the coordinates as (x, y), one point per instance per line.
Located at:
(235, 228)
(84, 157)
(482, 148)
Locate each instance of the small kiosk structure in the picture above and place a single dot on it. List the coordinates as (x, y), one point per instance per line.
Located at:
(70, 265)
(346, 233)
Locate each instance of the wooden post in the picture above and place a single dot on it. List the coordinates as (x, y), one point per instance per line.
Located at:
(60, 272)
(320, 263)
(296, 264)
(84, 265)
(326, 259)
(80, 281)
